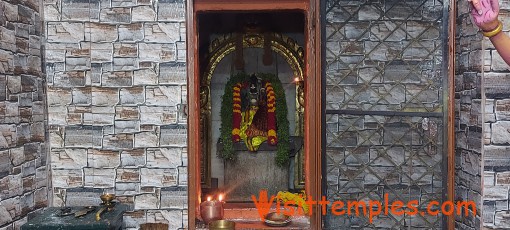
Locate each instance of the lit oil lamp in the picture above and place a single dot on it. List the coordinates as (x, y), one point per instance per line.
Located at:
(212, 210)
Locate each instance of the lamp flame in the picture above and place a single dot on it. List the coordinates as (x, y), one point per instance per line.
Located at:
(209, 198)
(220, 197)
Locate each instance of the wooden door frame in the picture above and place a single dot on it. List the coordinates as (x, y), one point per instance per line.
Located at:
(450, 129)
(313, 94)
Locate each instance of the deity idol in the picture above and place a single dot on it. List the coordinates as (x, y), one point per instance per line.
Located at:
(254, 118)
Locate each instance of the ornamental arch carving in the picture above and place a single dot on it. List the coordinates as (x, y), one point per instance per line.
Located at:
(226, 44)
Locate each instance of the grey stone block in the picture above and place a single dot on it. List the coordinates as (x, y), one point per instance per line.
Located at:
(79, 10)
(133, 219)
(127, 189)
(502, 178)
(158, 115)
(118, 141)
(160, 52)
(496, 85)
(163, 95)
(65, 32)
(8, 137)
(99, 178)
(97, 32)
(83, 196)
(147, 139)
(143, 13)
(167, 32)
(103, 158)
(145, 77)
(122, 64)
(147, 201)
(174, 198)
(128, 175)
(83, 136)
(125, 49)
(116, 79)
(132, 96)
(172, 73)
(158, 177)
(127, 113)
(6, 216)
(171, 10)
(105, 96)
(131, 32)
(68, 158)
(17, 156)
(122, 3)
(127, 126)
(164, 157)
(41, 177)
(115, 15)
(81, 96)
(41, 198)
(498, 192)
(69, 79)
(502, 109)
(502, 218)
(173, 135)
(496, 155)
(132, 158)
(5, 163)
(67, 178)
(100, 53)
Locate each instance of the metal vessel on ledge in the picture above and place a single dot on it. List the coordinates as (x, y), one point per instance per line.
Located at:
(107, 204)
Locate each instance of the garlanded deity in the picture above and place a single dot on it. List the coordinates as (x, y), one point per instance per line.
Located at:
(254, 119)
(254, 110)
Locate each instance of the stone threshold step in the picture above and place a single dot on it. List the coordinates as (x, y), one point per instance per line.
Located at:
(247, 217)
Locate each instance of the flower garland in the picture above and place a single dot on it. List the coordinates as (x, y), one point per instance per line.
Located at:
(297, 199)
(283, 147)
(236, 113)
(230, 119)
(226, 115)
(271, 118)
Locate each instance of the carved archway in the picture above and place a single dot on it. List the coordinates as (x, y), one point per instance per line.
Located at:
(219, 48)
(279, 43)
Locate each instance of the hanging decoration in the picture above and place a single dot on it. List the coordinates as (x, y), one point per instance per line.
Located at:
(254, 110)
(271, 117)
(236, 113)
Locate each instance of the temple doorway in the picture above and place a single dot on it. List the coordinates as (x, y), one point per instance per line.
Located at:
(258, 145)
(251, 105)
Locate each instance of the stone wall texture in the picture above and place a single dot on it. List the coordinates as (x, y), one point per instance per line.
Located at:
(468, 116)
(116, 79)
(112, 81)
(496, 138)
(23, 172)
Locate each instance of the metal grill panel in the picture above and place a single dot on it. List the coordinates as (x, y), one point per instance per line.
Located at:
(384, 56)
(384, 103)
(369, 156)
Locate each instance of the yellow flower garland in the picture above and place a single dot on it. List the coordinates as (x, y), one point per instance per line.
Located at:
(298, 199)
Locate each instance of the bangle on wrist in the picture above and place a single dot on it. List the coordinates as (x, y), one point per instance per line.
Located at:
(495, 31)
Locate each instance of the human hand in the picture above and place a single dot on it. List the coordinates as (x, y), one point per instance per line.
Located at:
(485, 13)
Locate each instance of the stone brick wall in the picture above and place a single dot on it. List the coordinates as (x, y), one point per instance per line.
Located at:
(23, 172)
(496, 137)
(116, 94)
(468, 108)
